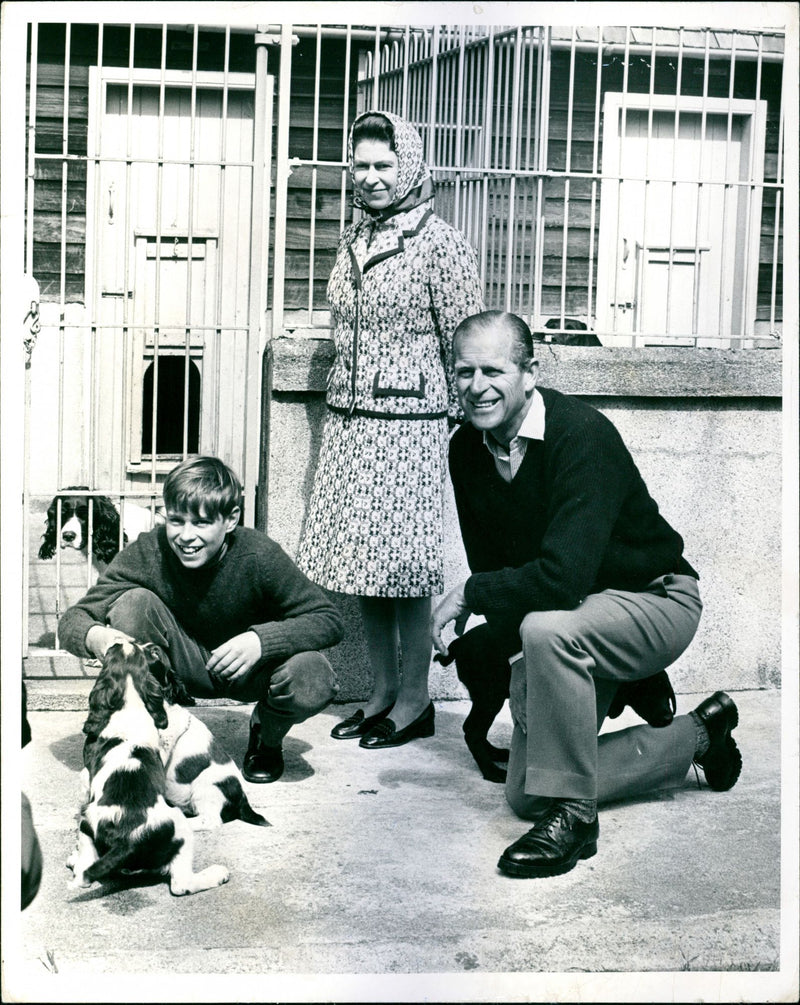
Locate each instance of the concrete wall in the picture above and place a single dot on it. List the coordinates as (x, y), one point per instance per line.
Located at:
(705, 429)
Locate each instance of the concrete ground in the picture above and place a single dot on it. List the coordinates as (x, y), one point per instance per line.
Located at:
(377, 881)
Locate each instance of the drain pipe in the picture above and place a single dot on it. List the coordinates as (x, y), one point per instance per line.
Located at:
(259, 228)
(286, 39)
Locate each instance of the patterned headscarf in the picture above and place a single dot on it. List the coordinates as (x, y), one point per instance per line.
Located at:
(414, 184)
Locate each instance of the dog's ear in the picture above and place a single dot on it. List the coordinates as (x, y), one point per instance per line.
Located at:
(175, 690)
(105, 528)
(153, 697)
(160, 667)
(49, 538)
(178, 695)
(107, 695)
(157, 661)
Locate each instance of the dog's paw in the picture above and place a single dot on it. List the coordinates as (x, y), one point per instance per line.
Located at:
(73, 864)
(498, 753)
(204, 823)
(207, 879)
(492, 772)
(219, 873)
(485, 755)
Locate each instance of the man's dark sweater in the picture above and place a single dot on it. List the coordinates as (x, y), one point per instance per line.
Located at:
(576, 519)
(255, 586)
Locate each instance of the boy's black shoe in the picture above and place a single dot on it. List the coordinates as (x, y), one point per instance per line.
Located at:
(261, 763)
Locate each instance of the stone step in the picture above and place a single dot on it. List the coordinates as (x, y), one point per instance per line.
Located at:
(48, 664)
(71, 694)
(56, 680)
(63, 694)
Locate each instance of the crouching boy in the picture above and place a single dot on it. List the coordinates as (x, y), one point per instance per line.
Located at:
(232, 612)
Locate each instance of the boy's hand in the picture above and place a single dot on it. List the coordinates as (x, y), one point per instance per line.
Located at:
(99, 638)
(234, 659)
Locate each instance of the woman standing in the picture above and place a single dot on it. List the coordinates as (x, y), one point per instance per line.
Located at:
(402, 281)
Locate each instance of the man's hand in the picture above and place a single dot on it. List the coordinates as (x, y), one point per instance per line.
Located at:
(234, 659)
(100, 638)
(452, 608)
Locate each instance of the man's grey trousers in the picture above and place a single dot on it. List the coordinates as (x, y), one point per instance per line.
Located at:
(563, 686)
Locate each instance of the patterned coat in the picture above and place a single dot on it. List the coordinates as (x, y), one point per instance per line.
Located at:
(402, 281)
(395, 306)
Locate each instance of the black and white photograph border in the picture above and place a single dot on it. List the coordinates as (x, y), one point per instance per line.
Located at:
(692, 896)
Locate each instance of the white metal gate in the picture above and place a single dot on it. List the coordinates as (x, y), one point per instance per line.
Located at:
(148, 221)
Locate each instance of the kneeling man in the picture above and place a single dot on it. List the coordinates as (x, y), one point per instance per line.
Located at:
(585, 588)
(232, 612)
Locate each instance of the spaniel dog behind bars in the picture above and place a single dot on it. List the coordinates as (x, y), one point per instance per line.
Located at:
(125, 822)
(105, 524)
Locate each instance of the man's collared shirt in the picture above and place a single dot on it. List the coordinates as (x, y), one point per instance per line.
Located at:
(508, 461)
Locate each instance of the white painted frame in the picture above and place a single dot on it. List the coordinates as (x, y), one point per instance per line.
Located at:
(99, 80)
(616, 105)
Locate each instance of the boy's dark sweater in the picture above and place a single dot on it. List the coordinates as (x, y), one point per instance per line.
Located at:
(576, 519)
(255, 586)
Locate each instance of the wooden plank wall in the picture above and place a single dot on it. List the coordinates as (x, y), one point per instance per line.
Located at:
(327, 209)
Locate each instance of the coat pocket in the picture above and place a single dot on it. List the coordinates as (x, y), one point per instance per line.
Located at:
(383, 387)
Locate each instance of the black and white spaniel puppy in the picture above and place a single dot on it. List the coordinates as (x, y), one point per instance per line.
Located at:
(485, 673)
(74, 528)
(201, 777)
(125, 823)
